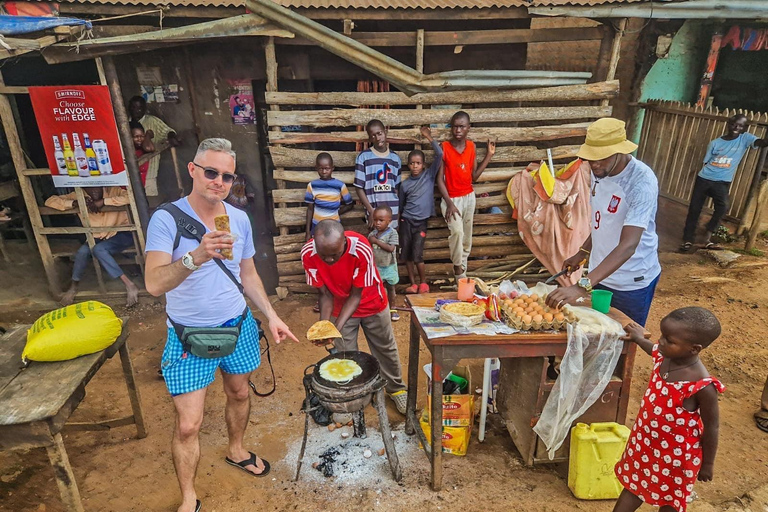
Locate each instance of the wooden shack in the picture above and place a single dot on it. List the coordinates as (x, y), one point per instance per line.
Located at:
(309, 100)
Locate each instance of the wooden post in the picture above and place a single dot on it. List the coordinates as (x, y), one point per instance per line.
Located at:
(142, 206)
(65, 478)
(613, 64)
(604, 54)
(386, 435)
(192, 95)
(27, 191)
(420, 50)
(709, 71)
(271, 60)
(760, 205)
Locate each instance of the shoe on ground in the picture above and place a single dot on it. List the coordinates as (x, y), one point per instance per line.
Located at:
(412, 289)
(401, 401)
(423, 288)
(394, 315)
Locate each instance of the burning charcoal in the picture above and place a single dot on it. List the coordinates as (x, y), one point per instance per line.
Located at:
(328, 458)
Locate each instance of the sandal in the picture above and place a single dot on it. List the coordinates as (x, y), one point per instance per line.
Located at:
(316, 308)
(712, 246)
(251, 461)
(686, 247)
(762, 423)
(423, 288)
(394, 315)
(198, 505)
(412, 289)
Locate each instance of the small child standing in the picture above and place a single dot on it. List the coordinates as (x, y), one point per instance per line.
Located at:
(141, 145)
(377, 174)
(674, 439)
(384, 241)
(327, 197)
(454, 181)
(417, 205)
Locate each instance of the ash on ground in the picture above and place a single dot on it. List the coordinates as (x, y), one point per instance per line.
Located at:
(341, 461)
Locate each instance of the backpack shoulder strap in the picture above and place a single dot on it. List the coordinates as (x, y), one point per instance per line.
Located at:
(188, 227)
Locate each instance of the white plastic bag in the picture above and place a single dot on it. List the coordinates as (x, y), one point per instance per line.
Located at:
(592, 354)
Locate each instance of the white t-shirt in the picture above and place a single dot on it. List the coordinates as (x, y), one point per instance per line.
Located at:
(628, 199)
(208, 297)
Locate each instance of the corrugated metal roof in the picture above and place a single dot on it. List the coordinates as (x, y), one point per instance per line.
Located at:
(364, 4)
(690, 9)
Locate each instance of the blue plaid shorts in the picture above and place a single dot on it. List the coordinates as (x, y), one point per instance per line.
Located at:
(184, 372)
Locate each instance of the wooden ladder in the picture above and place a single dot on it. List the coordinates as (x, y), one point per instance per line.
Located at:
(27, 177)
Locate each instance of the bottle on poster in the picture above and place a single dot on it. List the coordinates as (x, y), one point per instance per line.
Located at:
(102, 156)
(90, 155)
(69, 156)
(58, 154)
(80, 158)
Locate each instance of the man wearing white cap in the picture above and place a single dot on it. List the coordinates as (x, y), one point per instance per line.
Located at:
(622, 249)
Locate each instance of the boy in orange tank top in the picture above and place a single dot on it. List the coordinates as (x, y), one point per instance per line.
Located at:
(454, 181)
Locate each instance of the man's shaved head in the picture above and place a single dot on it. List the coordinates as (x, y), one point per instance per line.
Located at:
(330, 240)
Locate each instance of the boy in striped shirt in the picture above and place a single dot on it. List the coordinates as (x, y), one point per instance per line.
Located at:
(325, 196)
(377, 174)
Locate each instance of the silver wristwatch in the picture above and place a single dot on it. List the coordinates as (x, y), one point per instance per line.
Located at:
(189, 262)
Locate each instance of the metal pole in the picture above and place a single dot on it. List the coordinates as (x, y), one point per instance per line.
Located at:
(110, 72)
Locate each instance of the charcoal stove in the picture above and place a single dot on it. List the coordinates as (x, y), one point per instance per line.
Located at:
(351, 397)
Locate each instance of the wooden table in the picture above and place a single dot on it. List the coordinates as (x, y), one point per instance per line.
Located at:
(36, 402)
(448, 351)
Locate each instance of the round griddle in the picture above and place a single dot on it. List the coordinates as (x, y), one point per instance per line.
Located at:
(367, 363)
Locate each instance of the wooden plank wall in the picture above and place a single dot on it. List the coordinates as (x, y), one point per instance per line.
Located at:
(523, 122)
(673, 143)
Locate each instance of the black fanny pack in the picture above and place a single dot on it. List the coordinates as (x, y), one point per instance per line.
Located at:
(209, 342)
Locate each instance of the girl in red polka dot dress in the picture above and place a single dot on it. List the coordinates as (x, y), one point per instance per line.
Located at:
(674, 439)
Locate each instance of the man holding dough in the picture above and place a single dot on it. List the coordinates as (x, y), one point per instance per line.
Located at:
(352, 295)
(200, 294)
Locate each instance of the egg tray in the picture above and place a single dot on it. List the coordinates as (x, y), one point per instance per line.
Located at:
(514, 320)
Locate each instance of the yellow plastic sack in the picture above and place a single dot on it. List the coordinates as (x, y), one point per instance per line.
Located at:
(71, 332)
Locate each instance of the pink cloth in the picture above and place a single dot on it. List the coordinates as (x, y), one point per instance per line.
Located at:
(554, 228)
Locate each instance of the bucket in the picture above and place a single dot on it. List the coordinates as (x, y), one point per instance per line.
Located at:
(466, 289)
(601, 300)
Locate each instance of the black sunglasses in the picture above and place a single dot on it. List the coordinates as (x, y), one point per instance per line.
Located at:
(211, 174)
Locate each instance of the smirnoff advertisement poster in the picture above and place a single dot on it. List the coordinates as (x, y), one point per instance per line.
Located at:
(79, 133)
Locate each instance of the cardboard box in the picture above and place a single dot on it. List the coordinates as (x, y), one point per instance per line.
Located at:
(458, 410)
(455, 439)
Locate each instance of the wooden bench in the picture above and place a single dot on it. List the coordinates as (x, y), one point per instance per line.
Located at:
(37, 401)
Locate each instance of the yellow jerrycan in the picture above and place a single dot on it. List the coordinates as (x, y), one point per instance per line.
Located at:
(595, 450)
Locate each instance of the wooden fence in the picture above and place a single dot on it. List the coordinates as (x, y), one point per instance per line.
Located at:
(674, 140)
(523, 122)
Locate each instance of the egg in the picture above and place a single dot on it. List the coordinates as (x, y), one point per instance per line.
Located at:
(534, 297)
(524, 297)
(529, 309)
(537, 318)
(559, 317)
(526, 319)
(548, 317)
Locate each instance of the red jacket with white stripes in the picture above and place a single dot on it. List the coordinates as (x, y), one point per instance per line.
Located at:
(356, 267)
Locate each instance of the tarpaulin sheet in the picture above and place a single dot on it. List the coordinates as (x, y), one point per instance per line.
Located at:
(12, 25)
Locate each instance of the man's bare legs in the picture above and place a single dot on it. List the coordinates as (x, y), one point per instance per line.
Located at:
(236, 414)
(186, 444)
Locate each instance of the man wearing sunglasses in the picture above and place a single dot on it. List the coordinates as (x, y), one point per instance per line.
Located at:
(200, 294)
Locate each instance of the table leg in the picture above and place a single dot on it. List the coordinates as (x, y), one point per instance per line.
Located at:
(413, 376)
(65, 478)
(133, 391)
(436, 413)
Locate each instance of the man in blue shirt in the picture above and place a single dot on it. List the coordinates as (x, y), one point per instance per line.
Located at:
(200, 294)
(714, 180)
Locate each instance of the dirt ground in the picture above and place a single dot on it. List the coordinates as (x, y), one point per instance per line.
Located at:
(119, 473)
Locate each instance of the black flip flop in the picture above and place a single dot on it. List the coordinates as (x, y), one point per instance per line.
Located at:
(198, 505)
(762, 423)
(250, 462)
(686, 247)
